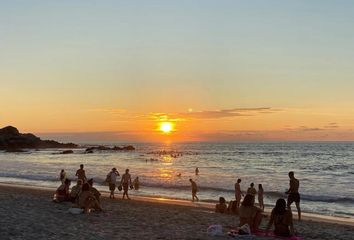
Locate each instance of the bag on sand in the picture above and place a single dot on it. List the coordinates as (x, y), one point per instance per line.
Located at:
(244, 230)
(215, 230)
(75, 211)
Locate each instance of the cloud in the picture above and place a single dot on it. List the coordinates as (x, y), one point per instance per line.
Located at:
(212, 114)
(329, 126)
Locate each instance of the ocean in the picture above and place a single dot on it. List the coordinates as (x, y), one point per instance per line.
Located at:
(325, 170)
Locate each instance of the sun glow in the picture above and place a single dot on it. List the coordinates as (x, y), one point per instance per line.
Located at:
(166, 127)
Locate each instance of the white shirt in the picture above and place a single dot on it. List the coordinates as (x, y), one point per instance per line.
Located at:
(113, 177)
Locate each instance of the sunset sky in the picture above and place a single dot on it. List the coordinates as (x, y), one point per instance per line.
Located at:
(218, 70)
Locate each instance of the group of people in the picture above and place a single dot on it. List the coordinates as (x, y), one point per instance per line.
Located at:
(85, 195)
(281, 215)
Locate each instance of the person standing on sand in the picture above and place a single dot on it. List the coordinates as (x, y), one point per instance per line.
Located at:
(126, 182)
(293, 193)
(62, 176)
(238, 193)
(80, 173)
(260, 196)
(251, 190)
(197, 171)
(194, 190)
(112, 177)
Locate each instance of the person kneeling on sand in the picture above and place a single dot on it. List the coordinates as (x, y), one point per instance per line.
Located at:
(62, 193)
(251, 190)
(87, 200)
(250, 214)
(221, 207)
(95, 192)
(282, 219)
(75, 191)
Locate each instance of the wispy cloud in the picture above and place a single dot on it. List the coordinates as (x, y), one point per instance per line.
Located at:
(212, 114)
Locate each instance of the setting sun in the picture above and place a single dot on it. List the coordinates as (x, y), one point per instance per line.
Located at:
(166, 127)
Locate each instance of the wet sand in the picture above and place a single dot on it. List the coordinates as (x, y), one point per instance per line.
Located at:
(27, 213)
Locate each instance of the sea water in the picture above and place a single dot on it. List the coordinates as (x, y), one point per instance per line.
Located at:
(325, 170)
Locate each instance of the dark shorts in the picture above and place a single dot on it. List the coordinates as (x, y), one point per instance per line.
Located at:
(194, 192)
(112, 186)
(125, 187)
(293, 197)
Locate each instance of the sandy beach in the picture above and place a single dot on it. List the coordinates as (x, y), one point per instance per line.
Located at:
(27, 213)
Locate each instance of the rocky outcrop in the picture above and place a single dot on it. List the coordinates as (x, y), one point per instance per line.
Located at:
(104, 148)
(11, 138)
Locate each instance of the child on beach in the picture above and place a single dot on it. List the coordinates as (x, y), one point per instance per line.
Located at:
(136, 183)
(221, 207)
(194, 190)
(282, 219)
(293, 193)
(260, 196)
(112, 178)
(126, 182)
(251, 190)
(238, 192)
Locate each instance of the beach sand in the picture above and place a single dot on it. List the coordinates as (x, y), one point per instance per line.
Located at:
(27, 213)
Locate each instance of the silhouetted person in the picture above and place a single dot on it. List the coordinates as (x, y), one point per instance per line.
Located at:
(238, 192)
(282, 219)
(95, 192)
(260, 196)
(112, 179)
(249, 213)
(251, 190)
(80, 173)
(197, 171)
(62, 176)
(126, 182)
(293, 193)
(221, 207)
(194, 190)
(136, 183)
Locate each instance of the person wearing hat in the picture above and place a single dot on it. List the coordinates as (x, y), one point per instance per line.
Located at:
(112, 178)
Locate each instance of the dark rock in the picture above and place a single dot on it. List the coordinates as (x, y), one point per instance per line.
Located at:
(11, 138)
(104, 148)
(67, 152)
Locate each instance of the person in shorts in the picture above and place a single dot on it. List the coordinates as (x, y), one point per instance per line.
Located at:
(112, 177)
(126, 182)
(293, 193)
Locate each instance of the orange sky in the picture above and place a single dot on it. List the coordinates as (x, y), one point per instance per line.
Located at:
(227, 70)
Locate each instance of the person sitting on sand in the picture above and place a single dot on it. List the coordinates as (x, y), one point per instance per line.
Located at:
(95, 192)
(238, 192)
(251, 190)
(62, 193)
(87, 200)
(260, 196)
(80, 173)
(249, 213)
(62, 176)
(221, 207)
(282, 219)
(293, 193)
(126, 182)
(112, 177)
(75, 190)
(136, 183)
(194, 190)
